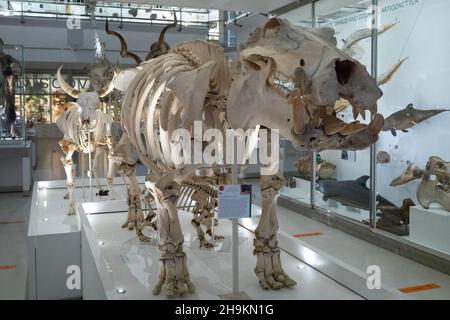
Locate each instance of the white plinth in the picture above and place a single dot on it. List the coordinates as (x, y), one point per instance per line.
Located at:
(430, 227)
(54, 243)
(16, 160)
(113, 258)
(54, 238)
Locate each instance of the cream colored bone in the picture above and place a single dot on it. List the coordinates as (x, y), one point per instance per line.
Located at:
(434, 186)
(162, 96)
(80, 121)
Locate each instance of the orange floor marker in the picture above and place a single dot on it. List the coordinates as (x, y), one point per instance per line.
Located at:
(11, 222)
(302, 235)
(422, 287)
(8, 267)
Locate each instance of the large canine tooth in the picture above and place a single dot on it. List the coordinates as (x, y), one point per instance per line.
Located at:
(333, 125)
(318, 117)
(359, 111)
(330, 110)
(377, 124)
(299, 112)
(352, 128)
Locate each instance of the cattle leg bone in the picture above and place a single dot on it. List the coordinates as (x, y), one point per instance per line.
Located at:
(135, 218)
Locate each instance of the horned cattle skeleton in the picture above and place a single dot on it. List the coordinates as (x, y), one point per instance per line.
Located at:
(298, 70)
(81, 121)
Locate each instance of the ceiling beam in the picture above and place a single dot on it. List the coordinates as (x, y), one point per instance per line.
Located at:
(291, 6)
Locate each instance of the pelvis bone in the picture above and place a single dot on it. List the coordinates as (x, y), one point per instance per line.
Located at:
(434, 186)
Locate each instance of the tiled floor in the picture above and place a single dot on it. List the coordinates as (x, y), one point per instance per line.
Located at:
(14, 208)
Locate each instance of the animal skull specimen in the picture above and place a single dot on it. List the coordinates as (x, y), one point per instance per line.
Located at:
(303, 74)
(324, 169)
(289, 79)
(434, 186)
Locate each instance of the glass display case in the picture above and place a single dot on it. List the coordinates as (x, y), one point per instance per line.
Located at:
(12, 122)
(400, 187)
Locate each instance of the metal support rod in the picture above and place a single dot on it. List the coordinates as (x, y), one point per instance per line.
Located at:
(313, 153)
(313, 179)
(91, 196)
(81, 158)
(235, 226)
(373, 147)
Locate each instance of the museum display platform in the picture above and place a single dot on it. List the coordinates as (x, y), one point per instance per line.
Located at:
(53, 238)
(116, 265)
(430, 227)
(17, 161)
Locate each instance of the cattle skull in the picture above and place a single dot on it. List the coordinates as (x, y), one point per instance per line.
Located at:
(411, 173)
(291, 78)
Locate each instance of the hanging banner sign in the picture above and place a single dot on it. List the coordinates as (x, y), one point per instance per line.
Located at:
(235, 201)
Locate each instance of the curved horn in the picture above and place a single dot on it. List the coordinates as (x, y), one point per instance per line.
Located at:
(123, 45)
(162, 42)
(107, 89)
(65, 86)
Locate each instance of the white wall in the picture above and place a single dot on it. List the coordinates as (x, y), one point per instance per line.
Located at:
(424, 80)
(46, 41)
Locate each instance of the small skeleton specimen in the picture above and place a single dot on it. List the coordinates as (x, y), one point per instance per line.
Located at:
(200, 190)
(280, 66)
(324, 169)
(434, 186)
(87, 129)
(407, 118)
(394, 216)
(383, 157)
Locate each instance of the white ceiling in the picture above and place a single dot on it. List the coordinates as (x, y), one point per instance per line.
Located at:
(263, 6)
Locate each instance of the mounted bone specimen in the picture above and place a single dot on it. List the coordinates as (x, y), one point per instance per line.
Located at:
(156, 49)
(434, 186)
(394, 216)
(324, 169)
(79, 122)
(159, 100)
(353, 39)
(200, 190)
(383, 157)
(60, 105)
(353, 193)
(407, 118)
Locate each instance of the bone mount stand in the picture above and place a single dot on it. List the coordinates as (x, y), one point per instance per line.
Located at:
(89, 173)
(81, 158)
(236, 294)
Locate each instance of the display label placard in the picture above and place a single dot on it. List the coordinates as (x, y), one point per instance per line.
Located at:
(235, 201)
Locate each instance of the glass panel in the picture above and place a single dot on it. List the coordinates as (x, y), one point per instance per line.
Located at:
(343, 177)
(416, 128)
(297, 163)
(12, 121)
